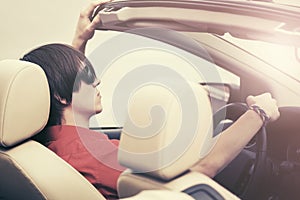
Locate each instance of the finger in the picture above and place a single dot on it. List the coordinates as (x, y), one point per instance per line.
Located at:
(274, 102)
(96, 21)
(267, 95)
(91, 7)
(275, 115)
(250, 97)
(250, 100)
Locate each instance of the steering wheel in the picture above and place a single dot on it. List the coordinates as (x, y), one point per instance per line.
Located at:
(250, 177)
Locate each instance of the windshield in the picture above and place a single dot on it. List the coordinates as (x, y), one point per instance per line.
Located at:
(251, 26)
(285, 58)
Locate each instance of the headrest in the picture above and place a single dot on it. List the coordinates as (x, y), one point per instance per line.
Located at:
(168, 129)
(24, 101)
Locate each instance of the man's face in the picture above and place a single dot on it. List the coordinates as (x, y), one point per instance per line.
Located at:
(87, 100)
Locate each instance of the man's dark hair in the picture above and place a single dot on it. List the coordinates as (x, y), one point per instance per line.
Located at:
(65, 68)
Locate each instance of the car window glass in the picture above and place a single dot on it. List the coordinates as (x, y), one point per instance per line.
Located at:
(283, 57)
(128, 70)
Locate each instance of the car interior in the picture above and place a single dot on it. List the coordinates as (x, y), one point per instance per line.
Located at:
(280, 175)
(31, 171)
(162, 158)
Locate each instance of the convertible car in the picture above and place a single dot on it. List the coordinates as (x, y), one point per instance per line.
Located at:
(207, 55)
(233, 49)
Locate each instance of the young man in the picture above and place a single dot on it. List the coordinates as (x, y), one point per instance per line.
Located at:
(75, 98)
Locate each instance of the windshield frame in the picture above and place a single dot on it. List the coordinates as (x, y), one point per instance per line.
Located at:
(234, 17)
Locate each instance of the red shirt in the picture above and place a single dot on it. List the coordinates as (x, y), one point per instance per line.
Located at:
(89, 152)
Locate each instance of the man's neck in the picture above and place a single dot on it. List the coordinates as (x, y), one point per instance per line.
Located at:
(70, 117)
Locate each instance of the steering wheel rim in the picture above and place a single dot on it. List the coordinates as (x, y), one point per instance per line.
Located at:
(233, 111)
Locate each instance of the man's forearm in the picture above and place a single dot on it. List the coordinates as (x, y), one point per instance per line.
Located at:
(229, 144)
(79, 45)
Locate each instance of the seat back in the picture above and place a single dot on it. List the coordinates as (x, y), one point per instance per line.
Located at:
(168, 129)
(28, 170)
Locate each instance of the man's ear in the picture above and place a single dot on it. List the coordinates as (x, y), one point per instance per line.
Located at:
(61, 100)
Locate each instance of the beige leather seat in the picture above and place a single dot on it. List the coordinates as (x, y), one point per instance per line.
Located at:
(29, 170)
(168, 129)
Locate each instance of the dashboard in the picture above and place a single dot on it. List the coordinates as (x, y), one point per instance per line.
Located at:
(284, 153)
(284, 135)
